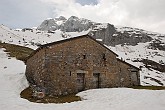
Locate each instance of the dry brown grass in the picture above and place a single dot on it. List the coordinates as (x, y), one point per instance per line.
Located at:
(20, 52)
(150, 87)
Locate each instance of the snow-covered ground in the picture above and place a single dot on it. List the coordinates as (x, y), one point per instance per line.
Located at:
(13, 81)
(31, 38)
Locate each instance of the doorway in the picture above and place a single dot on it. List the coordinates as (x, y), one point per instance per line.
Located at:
(80, 81)
(96, 80)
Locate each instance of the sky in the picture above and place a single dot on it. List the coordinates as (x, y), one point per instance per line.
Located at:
(143, 14)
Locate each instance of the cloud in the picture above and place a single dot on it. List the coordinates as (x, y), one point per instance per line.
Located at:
(87, 2)
(23, 13)
(145, 14)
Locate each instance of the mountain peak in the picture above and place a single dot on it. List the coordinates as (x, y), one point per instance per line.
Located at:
(61, 18)
(72, 24)
(73, 18)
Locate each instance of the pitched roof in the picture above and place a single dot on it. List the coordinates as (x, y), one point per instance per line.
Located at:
(65, 40)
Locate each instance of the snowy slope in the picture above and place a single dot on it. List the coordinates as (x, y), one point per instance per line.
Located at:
(13, 81)
(32, 38)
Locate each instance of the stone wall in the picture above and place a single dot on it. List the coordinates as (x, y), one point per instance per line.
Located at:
(35, 69)
(127, 73)
(54, 68)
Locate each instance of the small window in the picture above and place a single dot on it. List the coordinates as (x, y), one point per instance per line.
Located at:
(120, 70)
(70, 73)
(84, 56)
(104, 58)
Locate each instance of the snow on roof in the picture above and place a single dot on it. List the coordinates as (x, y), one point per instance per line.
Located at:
(99, 40)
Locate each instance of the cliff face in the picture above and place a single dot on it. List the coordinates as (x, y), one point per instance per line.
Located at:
(72, 24)
(105, 33)
(108, 33)
(112, 36)
(48, 25)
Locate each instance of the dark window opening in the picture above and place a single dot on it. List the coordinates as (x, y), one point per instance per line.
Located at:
(70, 73)
(120, 70)
(84, 56)
(104, 58)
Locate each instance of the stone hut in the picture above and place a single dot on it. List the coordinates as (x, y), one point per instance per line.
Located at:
(77, 64)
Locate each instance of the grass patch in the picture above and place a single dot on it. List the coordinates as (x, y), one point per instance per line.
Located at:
(27, 94)
(149, 87)
(20, 52)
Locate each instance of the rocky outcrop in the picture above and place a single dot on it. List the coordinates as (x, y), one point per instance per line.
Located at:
(111, 36)
(108, 33)
(129, 39)
(105, 33)
(73, 24)
(48, 25)
(157, 44)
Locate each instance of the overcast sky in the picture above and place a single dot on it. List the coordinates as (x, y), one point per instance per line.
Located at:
(145, 14)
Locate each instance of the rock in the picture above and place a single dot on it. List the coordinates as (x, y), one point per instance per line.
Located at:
(48, 25)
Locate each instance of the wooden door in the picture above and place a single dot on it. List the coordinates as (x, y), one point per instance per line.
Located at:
(96, 82)
(80, 81)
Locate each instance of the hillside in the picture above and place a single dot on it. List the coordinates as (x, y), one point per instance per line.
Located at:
(20, 52)
(141, 48)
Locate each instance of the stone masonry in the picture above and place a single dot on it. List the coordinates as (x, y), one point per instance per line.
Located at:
(77, 64)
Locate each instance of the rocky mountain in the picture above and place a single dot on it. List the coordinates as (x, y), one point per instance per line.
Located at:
(110, 34)
(139, 47)
(73, 24)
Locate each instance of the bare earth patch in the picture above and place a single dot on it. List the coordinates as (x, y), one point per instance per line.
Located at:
(27, 94)
(150, 87)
